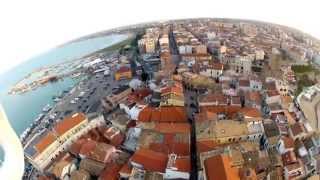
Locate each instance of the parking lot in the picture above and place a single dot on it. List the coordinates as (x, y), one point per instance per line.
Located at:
(84, 97)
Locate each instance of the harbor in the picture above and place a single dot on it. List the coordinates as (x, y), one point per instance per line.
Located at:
(30, 103)
(95, 80)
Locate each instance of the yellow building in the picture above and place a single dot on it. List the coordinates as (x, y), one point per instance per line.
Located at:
(123, 73)
(172, 99)
(228, 131)
(172, 95)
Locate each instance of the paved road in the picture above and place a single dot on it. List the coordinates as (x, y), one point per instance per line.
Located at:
(191, 98)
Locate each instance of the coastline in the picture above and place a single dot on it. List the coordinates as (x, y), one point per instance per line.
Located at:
(12, 103)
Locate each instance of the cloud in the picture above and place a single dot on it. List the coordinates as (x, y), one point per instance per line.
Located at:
(31, 27)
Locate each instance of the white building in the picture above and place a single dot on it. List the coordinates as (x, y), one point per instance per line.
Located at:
(282, 87)
(255, 84)
(47, 145)
(259, 54)
(211, 36)
(241, 64)
(176, 167)
(214, 71)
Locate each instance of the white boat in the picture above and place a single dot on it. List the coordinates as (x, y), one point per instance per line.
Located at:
(56, 99)
(39, 118)
(47, 108)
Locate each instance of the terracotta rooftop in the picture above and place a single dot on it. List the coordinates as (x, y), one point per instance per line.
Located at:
(219, 168)
(123, 69)
(250, 112)
(101, 151)
(289, 158)
(150, 160)
(288, 142)
(231, 111)
(46, 141)
(244, 83)
(205, 116)
(76, 146)
(205, 146)
(139, 94)
(181, 149)
(114, 135)
(87, 147)
(126, 169)
(111, 172)
(68, 123)
(163, 114)
(174, 89)
(183, 164)
(221, 99)
(297, 128)
(172, 127)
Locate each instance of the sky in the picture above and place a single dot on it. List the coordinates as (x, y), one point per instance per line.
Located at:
(29, 28)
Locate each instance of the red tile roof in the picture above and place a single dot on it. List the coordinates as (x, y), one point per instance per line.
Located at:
(172, 127)
(111, 172)
(219, 168)
(205, 146)
(68, 123)
(250, 112)
(102, 152)
(46, 141)
(288, 142)
(114, 136)
(289, 158)
(150, 160)
(163, 114)
(181, 149)
(123, 69)
(139, 94)
(174, 90)
(88, 147)
(297, 129)
(231, 111)
(126, 169)
(183, 164)
(76, 146)
(221, 99)
(205, 116)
